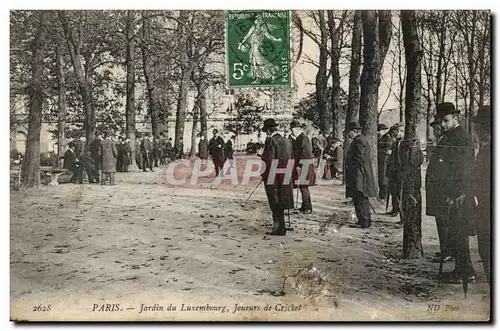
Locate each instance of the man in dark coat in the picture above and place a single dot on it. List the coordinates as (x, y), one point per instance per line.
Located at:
(109, 155)
(203, 148)
(394, 168)
(162, 143)
(384, 143)
(279, 193)
(334, 154)
(480, 190)
(169, 149)
(127, 154)
(360, 184)
(138, 153)
(146, 151)
(434, 193)
(216, 150)
(69, 161)
(119, 159)
(95, 154)
(228, 151)
(156, 152)
(302, 150)
(457, 156)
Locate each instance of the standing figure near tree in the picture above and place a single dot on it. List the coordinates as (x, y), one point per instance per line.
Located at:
(457, 155)
(302, 152)
(109, 155)
(203, 148)
(279, 193)
(481, 187)
(384, 143)
(95, 153)
(146, 151)
(216, 150)
(127, 154)
(228, 151)
(360, 184)
(394, 169)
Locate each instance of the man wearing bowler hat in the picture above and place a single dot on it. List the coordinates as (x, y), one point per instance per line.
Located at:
(481, 186)
(457, 156)
(302, 150)
(216, 150)
(279, 193)
(360, 184)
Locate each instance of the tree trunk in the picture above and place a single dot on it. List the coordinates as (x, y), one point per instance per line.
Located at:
(61, 93)
(411, 213)
(355, 69)
(31, 168)
(149, 75)
(130, 105)
(335, 73)
(484, 69)
(441, 58)
(321, 76)
(83, 83)
(194, 127)
(370, 81)
(203, 110)
(385, 36)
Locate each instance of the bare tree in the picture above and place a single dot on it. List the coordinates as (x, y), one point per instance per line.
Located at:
(62, 102)
(31, 168)
(411, 213)
(321, 75)
(355, 69)
(130, 65)
(370, 81)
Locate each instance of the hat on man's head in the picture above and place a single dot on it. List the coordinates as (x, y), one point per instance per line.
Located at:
(381, 126)
(295, 124)
(446, 108)
(269, 123)
(397, 126)
(353, 125)
(483, 115)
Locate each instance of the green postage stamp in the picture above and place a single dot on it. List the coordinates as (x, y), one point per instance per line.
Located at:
(258, 48)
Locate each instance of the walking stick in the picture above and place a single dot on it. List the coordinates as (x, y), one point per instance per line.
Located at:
(252, 192)
(445, 237)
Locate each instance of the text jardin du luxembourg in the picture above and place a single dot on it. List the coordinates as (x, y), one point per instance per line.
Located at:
(221, 309)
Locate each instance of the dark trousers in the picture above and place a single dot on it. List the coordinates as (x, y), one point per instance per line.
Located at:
(306, 197)
(147, 162)
(382, 193)
(395, 189)
(277, 208)
(362, 207)
(445, 240)
(218, 166)
(483, 230)
(97, 168)
(459, 236)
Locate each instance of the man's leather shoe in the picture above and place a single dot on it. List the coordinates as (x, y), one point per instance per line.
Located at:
(276, 233)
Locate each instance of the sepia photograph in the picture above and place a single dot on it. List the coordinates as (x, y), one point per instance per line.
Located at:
(250, 165)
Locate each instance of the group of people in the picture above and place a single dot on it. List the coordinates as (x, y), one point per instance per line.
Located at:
(219, 150)
(108, 154)
(457, 181)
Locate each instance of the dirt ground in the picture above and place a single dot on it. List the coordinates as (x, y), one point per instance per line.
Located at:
(84, 249)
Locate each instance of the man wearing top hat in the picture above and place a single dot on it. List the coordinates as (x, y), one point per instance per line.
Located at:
(302, 150)
(360, 184)
(394, 168)
(480, 186)
(384, 141)
(279, 193)
(216, 150)
(457, 156)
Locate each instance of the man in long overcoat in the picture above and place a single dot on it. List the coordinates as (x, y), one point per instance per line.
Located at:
(146, 151)
(457, 155)
(434, 192)
(127, 154)
(394, 168)
(216, 150)
(360, 184)
(69, 161)
(109, 155)
(480, 190)
(95, 154)
(279, 193)
(302, 150)
(384, 143)
(203, 148)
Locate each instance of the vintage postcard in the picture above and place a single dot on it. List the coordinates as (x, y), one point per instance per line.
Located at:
(250, 165)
